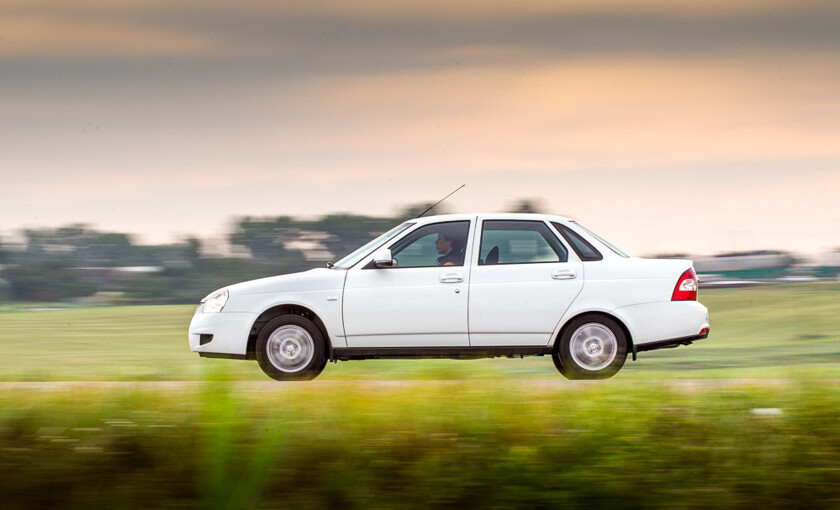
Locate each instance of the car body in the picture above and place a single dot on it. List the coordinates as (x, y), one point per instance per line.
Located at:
(460, 286)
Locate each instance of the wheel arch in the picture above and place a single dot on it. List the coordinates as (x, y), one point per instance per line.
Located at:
(285, 309)
(630, 345)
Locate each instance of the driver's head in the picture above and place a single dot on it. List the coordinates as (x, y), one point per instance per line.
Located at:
(444, 245)
(447, 241)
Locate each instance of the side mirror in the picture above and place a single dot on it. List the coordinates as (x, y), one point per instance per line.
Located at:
(382, 258)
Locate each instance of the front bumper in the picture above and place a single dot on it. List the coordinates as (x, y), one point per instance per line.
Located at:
(230, 332)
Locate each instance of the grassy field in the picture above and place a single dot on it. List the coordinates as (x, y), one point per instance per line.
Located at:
(790, 331)
(756, 425)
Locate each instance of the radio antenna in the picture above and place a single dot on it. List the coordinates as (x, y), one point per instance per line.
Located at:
(439, 201)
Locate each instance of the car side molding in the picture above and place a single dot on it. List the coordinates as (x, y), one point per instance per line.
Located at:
(466, 352)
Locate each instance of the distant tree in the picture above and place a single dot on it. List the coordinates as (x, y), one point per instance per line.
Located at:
(77, 242)
(527, 205)
(346, 232)
(105, 249)
(46, 242)
(412, 211)
(49, 280)
(86, 247)
(193, 249)
(266, 238)
(4, 286)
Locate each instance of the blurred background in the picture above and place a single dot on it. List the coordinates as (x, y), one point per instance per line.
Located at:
(81, 264)
(153, 151)
(143, 138)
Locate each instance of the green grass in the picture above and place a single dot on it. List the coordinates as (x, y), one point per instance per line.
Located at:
(436, 434)
(422, 444)
(788, 331)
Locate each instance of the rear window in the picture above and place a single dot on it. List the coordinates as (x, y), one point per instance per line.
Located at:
(582, 247)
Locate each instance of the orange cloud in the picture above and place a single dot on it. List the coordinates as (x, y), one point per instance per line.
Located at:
(34, 36)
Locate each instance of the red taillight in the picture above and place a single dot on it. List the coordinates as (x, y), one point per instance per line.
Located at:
(686, 289)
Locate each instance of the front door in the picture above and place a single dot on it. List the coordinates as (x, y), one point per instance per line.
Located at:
(421, 301)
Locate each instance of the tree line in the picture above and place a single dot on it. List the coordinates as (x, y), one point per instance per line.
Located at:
(79, 261)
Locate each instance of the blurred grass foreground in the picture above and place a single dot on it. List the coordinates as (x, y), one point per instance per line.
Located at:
(422, 445)
(107, 408)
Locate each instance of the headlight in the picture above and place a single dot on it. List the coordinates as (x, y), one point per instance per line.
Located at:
(215, 301)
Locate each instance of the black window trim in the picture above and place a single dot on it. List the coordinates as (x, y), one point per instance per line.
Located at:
(371, 265)
(564, 232)
(481, 242)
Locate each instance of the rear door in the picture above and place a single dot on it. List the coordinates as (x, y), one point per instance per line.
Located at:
(523, 280)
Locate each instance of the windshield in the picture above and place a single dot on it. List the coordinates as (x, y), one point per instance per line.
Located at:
(351, 260)
(603, 241)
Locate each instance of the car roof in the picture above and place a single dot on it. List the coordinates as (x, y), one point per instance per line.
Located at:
(494, 216)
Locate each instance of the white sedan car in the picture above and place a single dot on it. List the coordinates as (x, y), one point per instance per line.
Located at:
(460, 286)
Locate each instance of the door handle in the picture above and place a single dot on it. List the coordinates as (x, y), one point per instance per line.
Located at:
(452, 278)
(564, 274)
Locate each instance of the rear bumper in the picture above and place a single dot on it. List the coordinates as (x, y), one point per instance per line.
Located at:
(663, 321)
(668, 344)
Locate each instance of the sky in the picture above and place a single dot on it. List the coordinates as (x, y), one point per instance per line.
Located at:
(694, 127)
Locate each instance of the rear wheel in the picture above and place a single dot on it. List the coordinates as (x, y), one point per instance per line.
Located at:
(291, 348)
(591, 347)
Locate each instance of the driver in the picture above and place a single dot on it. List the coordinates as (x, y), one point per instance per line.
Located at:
(449, 247)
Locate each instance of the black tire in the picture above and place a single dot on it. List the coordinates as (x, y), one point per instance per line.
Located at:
(291, 334)
(603, 336)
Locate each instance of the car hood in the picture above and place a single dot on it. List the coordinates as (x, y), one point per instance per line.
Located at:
(314, 279)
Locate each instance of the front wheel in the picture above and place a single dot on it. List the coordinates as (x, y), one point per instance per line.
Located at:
(591, 347)
(291, 348)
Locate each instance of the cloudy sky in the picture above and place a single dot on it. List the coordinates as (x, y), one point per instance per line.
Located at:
(665, 126)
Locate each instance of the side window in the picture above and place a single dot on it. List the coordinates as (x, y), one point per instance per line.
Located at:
(585, 251)
(519, 242)
(438, 244)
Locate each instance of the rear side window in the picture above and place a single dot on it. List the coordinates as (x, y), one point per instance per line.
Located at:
(584, 250)
(519, 242)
